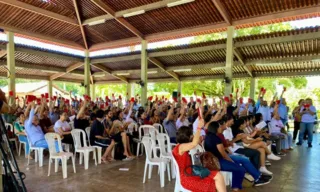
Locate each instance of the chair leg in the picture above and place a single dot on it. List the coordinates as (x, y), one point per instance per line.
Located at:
(40, 157)
(29, 156)
(95, 156)
(168, 170)
(173, 170)
(74, 163)
(145, 172)
(56, 165)
(49, 167)
(86, 159)
(64, 167)
(36, 155)
(19, 153)
(80, 160)
(99, 154)
(16, 143)
(25, 150)
(162, 167)
(138, 147)
(150, 171)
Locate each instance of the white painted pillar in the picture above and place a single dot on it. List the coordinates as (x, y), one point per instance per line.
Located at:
(130, 90)
(50, 88)
(252, 87)
(229, 60)
(11, 64)
(93, 92)
(87, 73)
(144, 72)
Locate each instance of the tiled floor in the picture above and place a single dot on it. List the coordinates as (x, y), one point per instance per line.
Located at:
(299, 171)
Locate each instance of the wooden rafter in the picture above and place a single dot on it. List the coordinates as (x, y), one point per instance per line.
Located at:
(40, 36)
(109, 72)
(106, 8)
(80, 23)
(40, 11)
(3, 53)
(161, 66)
(223, 11)
(68, 70)
(242, 61)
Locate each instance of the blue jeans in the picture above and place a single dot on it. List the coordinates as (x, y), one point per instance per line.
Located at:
(236, 170)
(247, 165)
(306, 127)
(43, 144)
(24, 139)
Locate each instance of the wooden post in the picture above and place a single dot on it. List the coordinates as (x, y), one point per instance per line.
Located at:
(93, 92)
(229, 60)
(50, 88)
(179, 91)
(11, 64)
(252, 87)
(87, 73)
(144, 72)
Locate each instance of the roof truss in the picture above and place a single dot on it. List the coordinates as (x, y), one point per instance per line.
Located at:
(109, 72)
(80, 25)
(161, 66)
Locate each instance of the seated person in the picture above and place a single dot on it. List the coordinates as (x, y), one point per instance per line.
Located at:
(34, 131)
(45, 122)
(63, 128)
(187, 141)
(19, 130)
(277, 128)
(182, 119)
(170, 125)
(236, 164)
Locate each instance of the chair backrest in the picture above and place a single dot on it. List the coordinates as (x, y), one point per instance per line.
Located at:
(145, 129)
(269, 128)
(51, 139)
(76, 135)
(195, 150)
(146, 141)
(159, 127)
(178, 181)
(9, 127)
(29, 142)
(88, 129)
(71, 123)
(132, 127)
(164, 143)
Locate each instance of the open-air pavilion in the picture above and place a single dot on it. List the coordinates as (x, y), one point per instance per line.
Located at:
(93, 25)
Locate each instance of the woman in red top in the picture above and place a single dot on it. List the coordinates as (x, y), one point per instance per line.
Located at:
(214, 182)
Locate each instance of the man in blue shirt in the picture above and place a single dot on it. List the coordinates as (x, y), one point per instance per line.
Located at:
(283, 109)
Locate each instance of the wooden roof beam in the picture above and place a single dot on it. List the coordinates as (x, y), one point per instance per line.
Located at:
(116, 59)
(40, 11)
(66, 43)
(107, 9)
(80, 25)
(3, 53)
(242, 61)
(161, 66)
(68, 70)
(109, 72)
(283, 60)
(223, 11)
(308, 72)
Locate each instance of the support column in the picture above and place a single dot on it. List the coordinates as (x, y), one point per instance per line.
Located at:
(179, 91)
(93, 92)
(252, 87)
(144, 72)
(50, 88)
(87, 73)
(229, 60)
(11, 64)
(130, 90)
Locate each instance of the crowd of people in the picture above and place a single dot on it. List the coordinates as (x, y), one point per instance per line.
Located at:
(243, 136)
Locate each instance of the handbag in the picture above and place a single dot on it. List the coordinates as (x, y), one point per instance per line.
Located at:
(210, 161)
(198, 171)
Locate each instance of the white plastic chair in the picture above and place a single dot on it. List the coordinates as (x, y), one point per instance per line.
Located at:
(132, 127)
(82, 150)
(10, 127)
(71, 123)
(98, 148)
(146, 133)
(151, 161)
(226, 175)
(38, 152)
(178, 187)
(51, 139)
(159, 127)
(165, 150)
(24, 145)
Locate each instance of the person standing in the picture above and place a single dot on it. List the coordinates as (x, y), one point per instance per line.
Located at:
(307, 112)
(297, 118)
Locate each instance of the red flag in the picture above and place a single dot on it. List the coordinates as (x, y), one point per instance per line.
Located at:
(46, 95)
(175, 99)
(132, 99)
(204, 96)
(10, 93)
(278, 102)
(226, 99)
(231, 96)
(184, 100)
(241, 100)
(261, 90)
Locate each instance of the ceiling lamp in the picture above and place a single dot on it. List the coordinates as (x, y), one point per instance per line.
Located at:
(134, 13)
(97, 22)
(176, 3)
(152, 72)
(123, 74)
(182, 70)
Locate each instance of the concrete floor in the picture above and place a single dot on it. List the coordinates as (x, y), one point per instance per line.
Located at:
(299, 171)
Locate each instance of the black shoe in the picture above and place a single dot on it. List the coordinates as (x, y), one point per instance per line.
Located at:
(299, 143)
(261, 182)
(309, 145)
(266, 177)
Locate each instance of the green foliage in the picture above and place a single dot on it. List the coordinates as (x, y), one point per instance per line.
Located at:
(107, 90)
(74, 87)
(4, 82)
